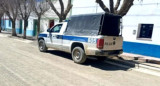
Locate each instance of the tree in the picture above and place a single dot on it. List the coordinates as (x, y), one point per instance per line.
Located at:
(40, 7)
(1, 15)
(117, 9)
(63, 12)
(10, 8)
(25, 9)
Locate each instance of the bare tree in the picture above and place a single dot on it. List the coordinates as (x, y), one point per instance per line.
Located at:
(1, 15)
(63, 12)
(25, 9)
(117, 9)
(10, 8)
(40, 7)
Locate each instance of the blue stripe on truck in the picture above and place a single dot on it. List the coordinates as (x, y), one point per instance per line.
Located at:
(42, 35)
(71, 38)
(75, 38)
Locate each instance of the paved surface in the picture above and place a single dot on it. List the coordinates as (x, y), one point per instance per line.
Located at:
(21, 64)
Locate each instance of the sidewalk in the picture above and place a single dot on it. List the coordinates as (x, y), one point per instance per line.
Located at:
(140, 58)
(33, 38)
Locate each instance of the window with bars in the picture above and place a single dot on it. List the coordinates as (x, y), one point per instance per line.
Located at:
(145, 31)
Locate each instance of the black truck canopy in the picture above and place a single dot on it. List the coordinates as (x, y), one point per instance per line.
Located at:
(93, 25)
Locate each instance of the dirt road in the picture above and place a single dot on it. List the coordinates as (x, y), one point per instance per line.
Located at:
(21, 64)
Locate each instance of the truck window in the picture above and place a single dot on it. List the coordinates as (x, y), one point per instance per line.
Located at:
(57, 28)
(111, 26)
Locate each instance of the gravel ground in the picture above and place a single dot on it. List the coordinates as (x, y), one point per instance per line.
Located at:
(21, 64)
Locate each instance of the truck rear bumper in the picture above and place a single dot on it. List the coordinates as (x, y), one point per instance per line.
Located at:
(108, 52)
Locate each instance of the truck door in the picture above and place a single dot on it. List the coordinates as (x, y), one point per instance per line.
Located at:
(55, 37)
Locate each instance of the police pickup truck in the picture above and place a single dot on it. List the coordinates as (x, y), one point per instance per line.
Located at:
(96, 35)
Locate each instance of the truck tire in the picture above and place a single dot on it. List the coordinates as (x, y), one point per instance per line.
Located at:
(78, 55)
(42, 45)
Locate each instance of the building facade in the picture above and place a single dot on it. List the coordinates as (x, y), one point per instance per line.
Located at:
(48, 20)
(142, 28)
(6, 25)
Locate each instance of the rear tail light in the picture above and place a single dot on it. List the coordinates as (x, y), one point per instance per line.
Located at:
(100, 43)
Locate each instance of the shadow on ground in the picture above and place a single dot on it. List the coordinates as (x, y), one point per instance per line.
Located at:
(28, 37)
(93, 62)
(32, 38)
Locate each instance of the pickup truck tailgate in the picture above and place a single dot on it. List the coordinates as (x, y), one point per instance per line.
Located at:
(112, 43)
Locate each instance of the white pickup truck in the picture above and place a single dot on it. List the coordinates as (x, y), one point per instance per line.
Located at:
(96, 35)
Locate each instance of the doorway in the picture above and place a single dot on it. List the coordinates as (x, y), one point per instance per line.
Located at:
(35, 27)
(51, 23)
(20, 30)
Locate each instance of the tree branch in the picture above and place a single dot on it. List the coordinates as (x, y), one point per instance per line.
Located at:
(62, 7)
(111, 6)
(117, 5)
(4, 8)
(69, 6)
(53, 8)
(125, 7)
(20, 9)
(102, 5)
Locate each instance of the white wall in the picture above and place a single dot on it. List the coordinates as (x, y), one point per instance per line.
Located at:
(145, 12)
(83, 7)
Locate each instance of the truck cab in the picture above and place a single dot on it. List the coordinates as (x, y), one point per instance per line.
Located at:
(96, 35)
(54, 36)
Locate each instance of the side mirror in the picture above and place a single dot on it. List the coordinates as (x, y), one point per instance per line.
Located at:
(49, 30)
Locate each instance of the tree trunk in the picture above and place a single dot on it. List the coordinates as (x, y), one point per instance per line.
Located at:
(14, 28)
(111, 6)
(62, 18)
(38, 26)
(25, 28)
(0, 26)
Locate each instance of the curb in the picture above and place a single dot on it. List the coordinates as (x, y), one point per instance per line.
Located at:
(140, 58)
(135, 64)
(140, 67)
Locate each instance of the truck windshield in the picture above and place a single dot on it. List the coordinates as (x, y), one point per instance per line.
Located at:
(110, 26)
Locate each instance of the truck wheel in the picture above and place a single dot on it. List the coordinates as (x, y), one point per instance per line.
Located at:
(42, 45)
(78, 55)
